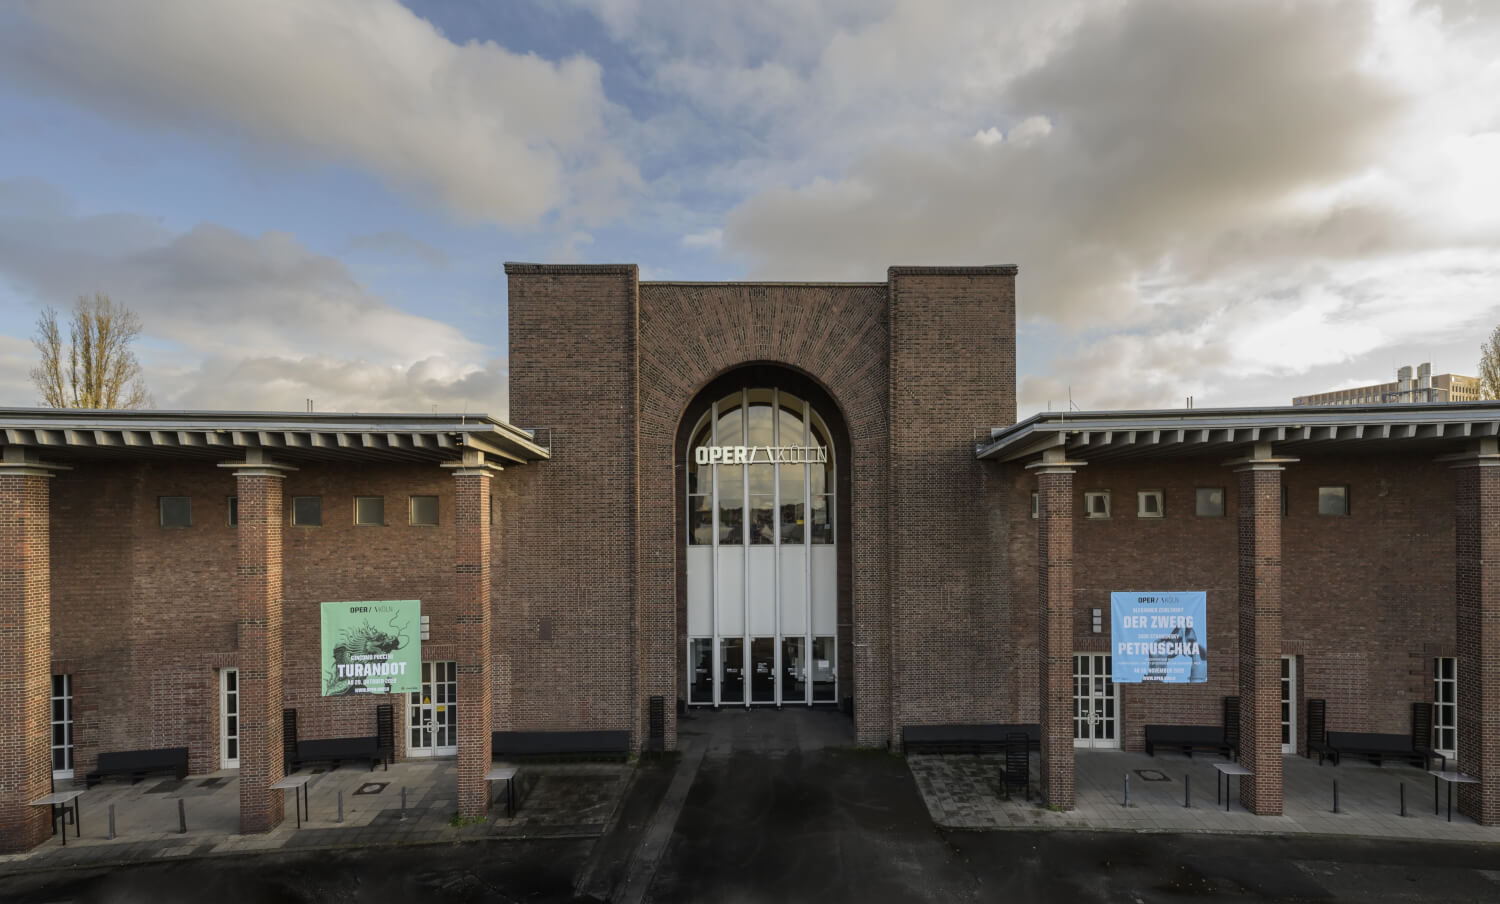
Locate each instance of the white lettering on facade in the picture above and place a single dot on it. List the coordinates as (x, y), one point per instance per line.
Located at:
(749, 455)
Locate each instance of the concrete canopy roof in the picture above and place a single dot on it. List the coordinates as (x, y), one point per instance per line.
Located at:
(1180, 433)
(62, 434)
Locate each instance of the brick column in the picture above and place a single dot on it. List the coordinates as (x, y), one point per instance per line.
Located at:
(25, 654)
(258, 585)
(1055, 625)
(471, 589)
(1477, 530)
(1260, 632)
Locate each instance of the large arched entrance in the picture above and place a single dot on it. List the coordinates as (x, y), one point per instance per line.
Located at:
(763, 593)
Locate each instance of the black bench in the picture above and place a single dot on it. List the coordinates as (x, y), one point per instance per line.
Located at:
(1223, 738)
(1377, 747)
(139, 763)
(960, 739)
(1187, 738)
(549, 744)
(335, 751)
(1415, 747)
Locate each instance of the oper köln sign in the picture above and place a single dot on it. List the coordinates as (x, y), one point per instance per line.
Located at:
(752, 455)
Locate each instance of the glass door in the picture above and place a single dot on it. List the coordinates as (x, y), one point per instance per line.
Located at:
(434, 711)
(1095, 706)
(1288, 704)
(229, 718)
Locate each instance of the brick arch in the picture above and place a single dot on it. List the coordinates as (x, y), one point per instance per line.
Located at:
(834, 337)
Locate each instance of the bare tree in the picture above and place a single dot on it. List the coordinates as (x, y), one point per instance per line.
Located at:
(1489, 367)
(95, 367)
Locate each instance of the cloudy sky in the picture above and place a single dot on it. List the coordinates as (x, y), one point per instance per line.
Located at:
(1238, 201)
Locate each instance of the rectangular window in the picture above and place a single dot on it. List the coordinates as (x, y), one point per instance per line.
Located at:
(1210, 503)
(1333, 500)
(1283, 502)
(1445, 706)
(424, 510)
(1036, 505)
(233, 504)
(1148, 504)
(62, 726)
(731, 504)
(369, 510)
(307, 511)
(1096, 503)
(176, 511)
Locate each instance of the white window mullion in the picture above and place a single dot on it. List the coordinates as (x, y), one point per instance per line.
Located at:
(715, 657)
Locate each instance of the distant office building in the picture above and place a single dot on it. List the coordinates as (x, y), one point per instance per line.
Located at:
(1425, 388)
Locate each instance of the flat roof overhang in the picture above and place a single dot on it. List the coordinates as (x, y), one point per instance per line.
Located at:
(1226, 432)
(65, 434)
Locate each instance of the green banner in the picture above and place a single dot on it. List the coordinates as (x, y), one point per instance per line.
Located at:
(372, 647)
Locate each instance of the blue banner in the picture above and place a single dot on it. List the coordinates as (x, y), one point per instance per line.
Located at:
(1159, 636)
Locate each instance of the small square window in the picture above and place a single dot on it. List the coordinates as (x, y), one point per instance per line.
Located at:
(1036, 505)
(176, 511)
(307, 511)
(369, 510)
(1096, 503)
(424, 510)
(1210, 502)
(233, 504)
(1333, 500)
(1148, 504)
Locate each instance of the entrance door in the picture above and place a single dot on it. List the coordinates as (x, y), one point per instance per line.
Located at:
(229, 718)
(434, 711)
(1094, 703)
(1288, 704)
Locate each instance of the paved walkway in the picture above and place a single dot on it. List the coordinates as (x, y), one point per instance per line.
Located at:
(563, 800)
(963, 792)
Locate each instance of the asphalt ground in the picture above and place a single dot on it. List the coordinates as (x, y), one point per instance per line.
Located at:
(759, 820)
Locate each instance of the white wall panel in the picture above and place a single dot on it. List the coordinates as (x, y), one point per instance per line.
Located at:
(731, 591)
(700, 591)
(793, 580)
(762, 590)
(825, 589)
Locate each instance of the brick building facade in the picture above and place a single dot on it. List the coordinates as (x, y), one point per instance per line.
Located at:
(888, 541)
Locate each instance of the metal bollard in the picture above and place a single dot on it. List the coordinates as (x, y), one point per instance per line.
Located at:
(1187, 791)
(1335, 795)
(181, 817)
(1403, 798)
(403, 803)
(111, 822)
(1127, 790)
(341, 806)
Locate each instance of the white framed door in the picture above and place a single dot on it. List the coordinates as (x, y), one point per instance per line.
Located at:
(433, 712)
(1289, 704)
(1096, 703)
(229, 718)
(62, 726)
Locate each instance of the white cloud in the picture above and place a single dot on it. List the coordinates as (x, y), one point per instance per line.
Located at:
(708, 238)
(484, 132)
(232, 320)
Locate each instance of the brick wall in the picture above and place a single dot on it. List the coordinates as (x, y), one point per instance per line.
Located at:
(25, 678)
(122, 584)
(1366, 600)
(565, 593)
(952, 377)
